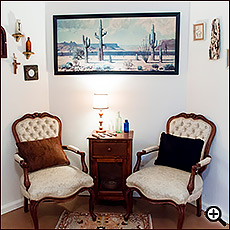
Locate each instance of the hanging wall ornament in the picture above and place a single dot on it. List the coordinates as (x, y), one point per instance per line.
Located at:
(214, 49)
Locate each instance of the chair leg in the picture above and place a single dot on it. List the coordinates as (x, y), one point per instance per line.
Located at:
(91, 204)
(26, 205)
(33, 212)
(181, 210)
(198, 207)
(129, 203)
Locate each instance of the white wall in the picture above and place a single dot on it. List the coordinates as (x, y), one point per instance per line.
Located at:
(18, 96)
(208, 93)
(147, 101)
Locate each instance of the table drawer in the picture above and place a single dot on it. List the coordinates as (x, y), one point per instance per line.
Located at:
(107, 148)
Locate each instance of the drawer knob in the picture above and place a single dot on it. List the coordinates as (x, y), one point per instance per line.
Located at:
(109, 149)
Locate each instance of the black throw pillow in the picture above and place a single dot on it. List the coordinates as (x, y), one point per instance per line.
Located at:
(179, 152)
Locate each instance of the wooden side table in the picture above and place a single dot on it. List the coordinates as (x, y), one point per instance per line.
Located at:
(110, 161)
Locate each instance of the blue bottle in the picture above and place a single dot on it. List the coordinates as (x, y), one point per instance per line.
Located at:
(126, 126)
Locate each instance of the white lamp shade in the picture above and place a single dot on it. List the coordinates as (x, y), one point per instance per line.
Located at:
(100, 101)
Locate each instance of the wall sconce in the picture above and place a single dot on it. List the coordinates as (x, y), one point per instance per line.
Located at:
(28, 51)
(100, 101)
(18, 30)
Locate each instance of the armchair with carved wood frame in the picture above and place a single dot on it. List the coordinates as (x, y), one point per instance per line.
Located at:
(158, 184)
(57, 183)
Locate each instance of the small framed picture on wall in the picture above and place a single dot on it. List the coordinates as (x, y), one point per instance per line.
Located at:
(198, 31)
(31, 72)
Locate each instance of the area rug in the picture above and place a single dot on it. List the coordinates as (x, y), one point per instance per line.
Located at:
(80, 220)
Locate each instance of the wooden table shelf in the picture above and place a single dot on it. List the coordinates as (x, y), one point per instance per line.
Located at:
(110, 161)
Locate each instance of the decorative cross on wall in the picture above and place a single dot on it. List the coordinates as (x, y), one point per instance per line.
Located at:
(15, 64)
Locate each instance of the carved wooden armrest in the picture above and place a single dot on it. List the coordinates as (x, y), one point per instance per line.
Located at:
(17, 158)
(144, 152)
(204, 162)
(194, 171)
(24, 166)
(77, 151)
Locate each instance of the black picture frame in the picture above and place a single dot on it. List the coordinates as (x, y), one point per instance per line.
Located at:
(127, 43)
(30, 72)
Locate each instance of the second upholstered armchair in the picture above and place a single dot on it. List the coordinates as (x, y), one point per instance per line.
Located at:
(176, 176)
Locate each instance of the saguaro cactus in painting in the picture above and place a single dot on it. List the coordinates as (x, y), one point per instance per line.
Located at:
(152, 43)
(86, 45)
(160, 52)
(144, 49)
(100, 36)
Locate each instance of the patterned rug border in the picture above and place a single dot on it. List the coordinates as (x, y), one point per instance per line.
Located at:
(66, 212)
(60, 218)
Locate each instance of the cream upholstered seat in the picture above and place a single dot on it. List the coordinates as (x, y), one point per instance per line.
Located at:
(164, 184)
(63, 181)
(53, 182)
(171, 184)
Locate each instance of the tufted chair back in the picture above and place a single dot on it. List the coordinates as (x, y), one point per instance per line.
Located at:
(36, 126)
(192, 126)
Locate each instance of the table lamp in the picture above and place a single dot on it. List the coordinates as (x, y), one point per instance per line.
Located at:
(100, 101)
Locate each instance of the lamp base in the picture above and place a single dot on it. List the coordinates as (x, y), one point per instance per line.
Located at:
(100, 131)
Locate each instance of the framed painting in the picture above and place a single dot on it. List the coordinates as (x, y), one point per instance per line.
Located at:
(129, 43)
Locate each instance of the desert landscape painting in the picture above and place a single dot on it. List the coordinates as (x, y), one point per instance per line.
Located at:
(134, 43)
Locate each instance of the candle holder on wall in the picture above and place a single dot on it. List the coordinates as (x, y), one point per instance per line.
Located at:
(18, 36)
(18, 30)
(28, 51)
(28, 54)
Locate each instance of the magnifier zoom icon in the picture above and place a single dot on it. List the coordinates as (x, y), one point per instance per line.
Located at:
(213, 214)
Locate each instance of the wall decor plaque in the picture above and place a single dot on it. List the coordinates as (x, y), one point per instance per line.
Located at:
(127, 43)
(198, 31)
(31, 72)
(214, 48)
